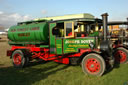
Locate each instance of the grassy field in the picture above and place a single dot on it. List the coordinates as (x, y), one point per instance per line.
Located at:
(51, 73)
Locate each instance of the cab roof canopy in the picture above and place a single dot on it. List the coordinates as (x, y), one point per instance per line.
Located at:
(76, 17)
(65, 17)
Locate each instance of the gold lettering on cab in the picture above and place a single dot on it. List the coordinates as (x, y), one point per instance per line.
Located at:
(78, 41)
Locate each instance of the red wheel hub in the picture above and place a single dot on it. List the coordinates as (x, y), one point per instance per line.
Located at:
(92, 65)
(120, 56)
(17, 59)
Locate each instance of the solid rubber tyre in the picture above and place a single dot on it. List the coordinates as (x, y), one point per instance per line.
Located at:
(93, 64)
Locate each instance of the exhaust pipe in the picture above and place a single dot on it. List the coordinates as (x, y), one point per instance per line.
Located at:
(105, 22)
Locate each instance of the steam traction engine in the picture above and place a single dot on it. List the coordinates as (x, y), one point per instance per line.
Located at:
(70, 39)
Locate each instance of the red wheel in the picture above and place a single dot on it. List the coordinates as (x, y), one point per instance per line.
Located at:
(121, 55)
(19, 59)
(93, 64)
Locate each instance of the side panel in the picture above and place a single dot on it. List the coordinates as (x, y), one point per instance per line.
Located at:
(52, 38)
(72, 45)
(59, 46)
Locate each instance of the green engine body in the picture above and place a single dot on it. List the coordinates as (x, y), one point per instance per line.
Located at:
(29, 33)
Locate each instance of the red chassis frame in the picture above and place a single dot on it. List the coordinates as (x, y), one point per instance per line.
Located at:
(43, 53)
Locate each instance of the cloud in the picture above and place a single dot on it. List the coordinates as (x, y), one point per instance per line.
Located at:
(1, 12)
(9, 19)
(44, 12)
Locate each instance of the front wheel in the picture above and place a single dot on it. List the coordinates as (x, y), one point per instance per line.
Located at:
(121, 55)
(19, 59)
(93, 64)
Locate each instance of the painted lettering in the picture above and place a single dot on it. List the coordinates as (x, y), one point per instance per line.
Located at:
(78, 41)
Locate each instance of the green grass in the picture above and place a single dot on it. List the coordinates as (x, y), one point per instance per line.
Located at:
(52, 73)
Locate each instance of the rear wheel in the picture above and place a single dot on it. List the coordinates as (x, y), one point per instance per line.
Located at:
(121, 55)
(93, 64)
(19, 59)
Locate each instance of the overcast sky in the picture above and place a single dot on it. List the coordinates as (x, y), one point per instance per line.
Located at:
(13, 11)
